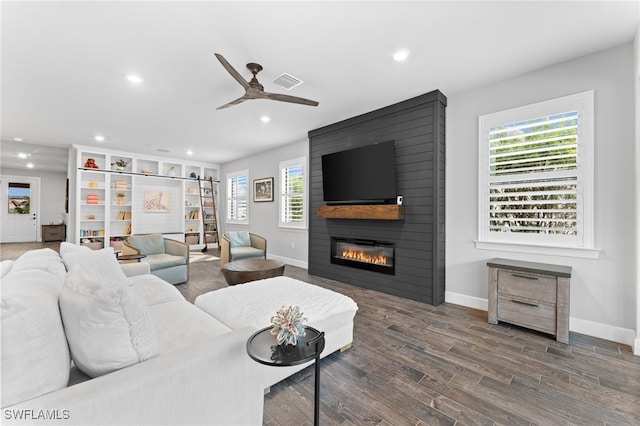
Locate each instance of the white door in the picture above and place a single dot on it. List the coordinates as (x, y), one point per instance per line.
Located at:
(19, 203)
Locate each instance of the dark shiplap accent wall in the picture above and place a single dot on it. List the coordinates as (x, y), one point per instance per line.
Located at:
(417, 126)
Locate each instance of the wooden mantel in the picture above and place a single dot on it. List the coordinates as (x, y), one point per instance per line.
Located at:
(375, 211)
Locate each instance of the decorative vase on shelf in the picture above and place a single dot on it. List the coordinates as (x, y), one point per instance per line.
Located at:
(120, 164)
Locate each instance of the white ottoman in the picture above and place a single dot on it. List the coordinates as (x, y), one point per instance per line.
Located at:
(253, 304)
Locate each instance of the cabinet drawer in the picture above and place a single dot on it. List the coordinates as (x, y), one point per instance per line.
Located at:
(532, 314)
(528, 286)
(54, 234)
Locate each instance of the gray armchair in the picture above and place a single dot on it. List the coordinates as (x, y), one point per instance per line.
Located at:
(167, 258)
(241, 245)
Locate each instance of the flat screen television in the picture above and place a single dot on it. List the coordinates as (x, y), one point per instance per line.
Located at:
(365, 175)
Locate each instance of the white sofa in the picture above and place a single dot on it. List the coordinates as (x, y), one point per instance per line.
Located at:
(197, 371)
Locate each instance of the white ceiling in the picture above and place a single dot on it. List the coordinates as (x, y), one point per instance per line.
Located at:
(64, 65)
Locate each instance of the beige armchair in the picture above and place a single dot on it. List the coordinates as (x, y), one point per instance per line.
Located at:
(167, 258)
(241, 245)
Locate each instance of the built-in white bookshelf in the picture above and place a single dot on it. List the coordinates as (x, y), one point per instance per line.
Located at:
(120, 193)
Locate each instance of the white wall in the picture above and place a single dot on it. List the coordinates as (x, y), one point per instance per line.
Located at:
(290, 245)
(603, 291)
(52, 187)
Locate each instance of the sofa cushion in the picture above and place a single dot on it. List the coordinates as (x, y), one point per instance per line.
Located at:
(41, 259)
(5, 267)
(147, 244)
(98, 264)
(154, 291)
(254, 303)
(35, 356)
(106, 323)
(246, 253)
(180, 324)
(239, 239)
(160, 261)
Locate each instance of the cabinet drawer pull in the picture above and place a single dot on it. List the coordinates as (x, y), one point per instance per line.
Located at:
(533, 305)
(526, 277)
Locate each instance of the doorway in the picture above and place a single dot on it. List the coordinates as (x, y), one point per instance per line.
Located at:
(20, 207)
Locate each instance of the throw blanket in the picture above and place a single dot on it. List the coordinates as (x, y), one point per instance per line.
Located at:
(254, 303)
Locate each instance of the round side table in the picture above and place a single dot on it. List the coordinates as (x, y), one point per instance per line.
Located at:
(263, 347)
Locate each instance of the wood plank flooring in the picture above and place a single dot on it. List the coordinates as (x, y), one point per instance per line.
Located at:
(416, 364)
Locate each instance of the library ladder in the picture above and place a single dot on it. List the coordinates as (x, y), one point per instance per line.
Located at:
(208, 207)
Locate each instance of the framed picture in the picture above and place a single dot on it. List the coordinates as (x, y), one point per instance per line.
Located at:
(156, 201)
(263, 190)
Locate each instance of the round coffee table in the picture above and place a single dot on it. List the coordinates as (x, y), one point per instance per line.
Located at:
(242, 271)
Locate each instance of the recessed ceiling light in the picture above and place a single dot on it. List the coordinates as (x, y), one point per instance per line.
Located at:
(134, 78)
(23, 155)
(30, 165)
(99, 138)
(265, 119)
(189, 152)
(401, 55)
(18, 139)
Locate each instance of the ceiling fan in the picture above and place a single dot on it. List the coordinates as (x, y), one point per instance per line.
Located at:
(255, 90)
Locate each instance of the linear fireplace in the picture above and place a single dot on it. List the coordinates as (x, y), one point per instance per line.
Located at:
(370, 255)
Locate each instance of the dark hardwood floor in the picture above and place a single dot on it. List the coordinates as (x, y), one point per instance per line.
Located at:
(416, 364)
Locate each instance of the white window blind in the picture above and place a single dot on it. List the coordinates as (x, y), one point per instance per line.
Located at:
(238, 197)
(292, 193)
(536, 168)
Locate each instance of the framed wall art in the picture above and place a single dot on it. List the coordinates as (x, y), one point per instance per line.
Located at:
(263, 190)
(157, 201)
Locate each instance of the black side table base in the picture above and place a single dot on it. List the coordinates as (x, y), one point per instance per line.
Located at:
(263, 348)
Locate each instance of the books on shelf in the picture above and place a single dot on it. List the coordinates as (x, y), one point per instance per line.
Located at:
(195, 214)
(92, 232)
(124, 215)
(127, 229)
(120, 184)
(92, 199)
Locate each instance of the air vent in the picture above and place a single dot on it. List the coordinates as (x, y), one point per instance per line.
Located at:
(287, 81)
(162, 150)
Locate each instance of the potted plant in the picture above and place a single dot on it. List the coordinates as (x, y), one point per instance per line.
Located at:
(120, 198)
(120, 164)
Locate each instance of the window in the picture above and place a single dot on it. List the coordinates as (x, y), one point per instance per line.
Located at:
(293, 203)
(536, 174)
(238, 197)
(19, 198)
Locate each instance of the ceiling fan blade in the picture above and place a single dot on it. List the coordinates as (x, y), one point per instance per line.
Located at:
(234, 102)
(288, 98)
(235, 74)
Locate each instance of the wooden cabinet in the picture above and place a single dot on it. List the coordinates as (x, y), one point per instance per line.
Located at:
(531, 295)
(54, 232)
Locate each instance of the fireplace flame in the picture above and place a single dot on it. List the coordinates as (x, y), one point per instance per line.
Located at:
(361, 256)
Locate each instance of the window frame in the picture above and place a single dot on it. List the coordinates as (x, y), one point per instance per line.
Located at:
(583, 243)
(300, 161)
(247, 197)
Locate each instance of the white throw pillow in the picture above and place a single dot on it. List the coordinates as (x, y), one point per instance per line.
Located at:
(35, 355)
(44, 260)
(107, 325)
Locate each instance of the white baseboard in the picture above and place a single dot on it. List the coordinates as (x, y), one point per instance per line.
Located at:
(590, 328)
(468, 301)
(288, 261)
(602, 331)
